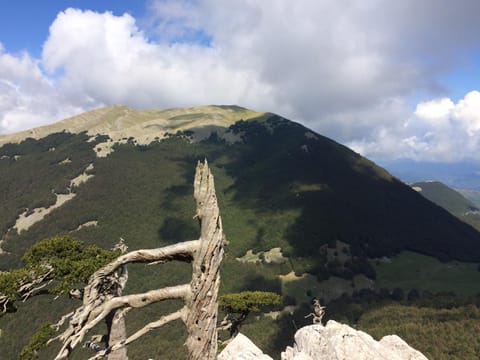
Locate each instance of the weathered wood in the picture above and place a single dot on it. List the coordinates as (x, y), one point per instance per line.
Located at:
(117, 334)
(102, 295)
(202, 305)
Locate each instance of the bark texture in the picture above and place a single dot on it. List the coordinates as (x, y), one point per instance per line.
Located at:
(103, 300)
(202, 304)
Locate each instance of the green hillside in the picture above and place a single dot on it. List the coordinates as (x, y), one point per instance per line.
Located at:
(444, 196)
(471, 195)
(452, 200)
(279, 185)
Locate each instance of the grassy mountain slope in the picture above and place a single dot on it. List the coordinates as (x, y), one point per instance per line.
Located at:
(444, 196)
(278, 184)
(471, 195)
(452, 200)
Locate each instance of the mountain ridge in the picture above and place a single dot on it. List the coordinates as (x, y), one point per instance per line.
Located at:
(118, 121)
(279, 185)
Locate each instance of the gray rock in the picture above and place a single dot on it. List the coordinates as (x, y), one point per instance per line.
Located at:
(337, 341)
(242, 348)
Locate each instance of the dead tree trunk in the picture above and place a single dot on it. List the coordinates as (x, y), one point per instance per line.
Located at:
(102, 296)
(202, 305)
(116, 323)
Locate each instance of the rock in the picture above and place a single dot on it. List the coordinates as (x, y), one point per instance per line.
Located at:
(397, 345)
(336, 341)
(242, 348)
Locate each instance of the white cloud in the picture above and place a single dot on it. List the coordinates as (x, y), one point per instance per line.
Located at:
(436, 111)
(27, 97)
(438, 130)
(467, 113)
(111, 60)
(348, 69)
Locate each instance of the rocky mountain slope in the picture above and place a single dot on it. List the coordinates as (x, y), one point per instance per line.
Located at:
(303, 214)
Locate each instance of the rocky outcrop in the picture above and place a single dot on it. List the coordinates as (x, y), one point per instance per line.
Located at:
(337, 341)
(242, 348)
(333, 341)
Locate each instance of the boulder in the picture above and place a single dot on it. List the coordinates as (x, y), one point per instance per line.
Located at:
(337, 341)
(242, 348)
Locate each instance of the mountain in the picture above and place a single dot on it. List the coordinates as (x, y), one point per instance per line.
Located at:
(303, 214)
(462, 174)
(450, 199)
(444, 196)
(471, 195)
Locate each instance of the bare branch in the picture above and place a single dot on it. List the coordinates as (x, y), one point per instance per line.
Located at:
(4, 301)
(147, 328)
(102, 296)
(60, 322)
(30, 285)
(181, 252)
(33, 290)
(75, 334)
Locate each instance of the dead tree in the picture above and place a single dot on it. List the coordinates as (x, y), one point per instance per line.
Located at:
(102, 296)
(318, 312)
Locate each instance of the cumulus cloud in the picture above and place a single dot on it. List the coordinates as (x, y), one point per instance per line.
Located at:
(27, 97)
(438, 130)
(435, 111)
(111, 60)
(347, 69)
(325, 58)
(92, 59)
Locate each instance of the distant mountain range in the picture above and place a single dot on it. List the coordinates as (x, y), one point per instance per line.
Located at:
(296, 206)
(459, 175)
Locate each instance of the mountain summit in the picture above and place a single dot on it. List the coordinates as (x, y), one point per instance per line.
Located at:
(119, 122)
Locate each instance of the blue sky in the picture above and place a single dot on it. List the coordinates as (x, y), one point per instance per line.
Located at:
(392, 80)
(24, 24)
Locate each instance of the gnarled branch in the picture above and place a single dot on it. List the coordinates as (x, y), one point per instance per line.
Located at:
(102, 295)
(147, 328)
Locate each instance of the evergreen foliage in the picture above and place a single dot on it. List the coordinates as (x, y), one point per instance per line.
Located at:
(237, 306)
(37, 341)
(64, 260)
(248, 301)
(72, 260)
(10, 280)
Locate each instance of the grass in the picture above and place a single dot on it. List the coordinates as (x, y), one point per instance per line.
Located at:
(411, 270)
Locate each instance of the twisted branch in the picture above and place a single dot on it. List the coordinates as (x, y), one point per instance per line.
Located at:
(102, 295)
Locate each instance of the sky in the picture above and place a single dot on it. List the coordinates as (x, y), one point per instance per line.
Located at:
(390, 79)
